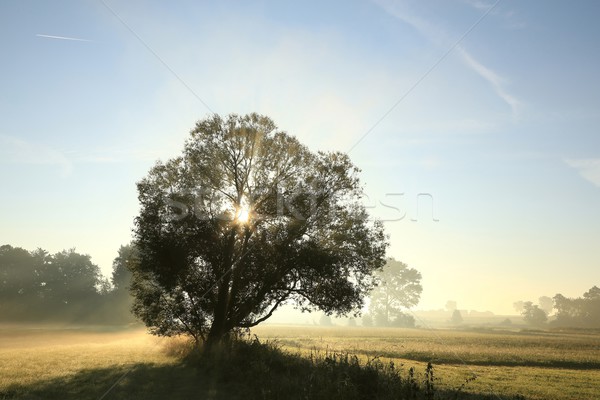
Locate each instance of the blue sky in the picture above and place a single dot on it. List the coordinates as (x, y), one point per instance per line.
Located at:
(495, 119)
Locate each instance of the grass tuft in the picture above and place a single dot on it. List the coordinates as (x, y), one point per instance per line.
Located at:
(264, 371)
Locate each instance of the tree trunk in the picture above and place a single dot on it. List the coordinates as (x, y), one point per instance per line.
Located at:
(215, 337)
(218, 329)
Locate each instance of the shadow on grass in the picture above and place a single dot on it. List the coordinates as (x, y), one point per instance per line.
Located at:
(246, 370)
(453, 360)
(140, 381)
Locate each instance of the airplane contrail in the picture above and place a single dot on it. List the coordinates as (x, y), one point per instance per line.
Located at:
(62, 38)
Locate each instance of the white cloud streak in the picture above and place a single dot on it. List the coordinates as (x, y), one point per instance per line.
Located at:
(439, 37)
(18, 151)
(588, 168)
(62, 38)
(492, 77)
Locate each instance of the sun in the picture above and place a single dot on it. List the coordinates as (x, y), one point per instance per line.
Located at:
(243, 215)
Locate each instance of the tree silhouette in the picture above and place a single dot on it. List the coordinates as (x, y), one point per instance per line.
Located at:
(450, 305)
(578, 312)
(39, 286)
(519, 306)
(456, 317)
(119, 298)
(121, 272)
(546, 304)
(398, 287)
(247, 218)
(533, 314)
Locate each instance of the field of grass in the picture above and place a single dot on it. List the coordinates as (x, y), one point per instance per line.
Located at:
(536, 365)
(59, 363)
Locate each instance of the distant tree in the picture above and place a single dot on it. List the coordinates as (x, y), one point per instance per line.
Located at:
(533, 315)
(351, 322)
(403, 320)
(519, 306)
(121, 273)
(71, 277)
(457, 318)
(399, 287)
(118, 300)
(581, 312)
(39, 286)
(546, 304)
(506, 321)
(19, 286)
(325, 320)
(247, 219)
(451, 305)
(367, 320)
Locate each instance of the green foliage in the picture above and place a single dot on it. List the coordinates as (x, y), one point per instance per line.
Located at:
(66, 286)
(533, 314)
(121, 274)
(581, 312)
(42, 287)
(263, 371)
(205, 271)
(398, 287)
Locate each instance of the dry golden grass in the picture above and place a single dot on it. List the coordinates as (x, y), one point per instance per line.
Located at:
(54, 363)
(33, 355)
(538, 365)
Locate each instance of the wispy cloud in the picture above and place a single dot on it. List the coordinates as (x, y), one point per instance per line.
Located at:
(440, 38)
(588, 168)
(18, 151)
(509, 18)
(492, 77)
(62, 38)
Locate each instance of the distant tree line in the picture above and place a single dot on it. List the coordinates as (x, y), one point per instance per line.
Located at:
(580, 312)
(36, 286)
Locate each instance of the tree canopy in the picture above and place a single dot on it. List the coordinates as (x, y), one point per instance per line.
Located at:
(533, 314)
(398, 287)
(246, 219)
(581, 312)
(39, 286)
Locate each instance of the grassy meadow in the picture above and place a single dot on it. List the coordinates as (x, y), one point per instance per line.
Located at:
(534, 364)
(85, 363)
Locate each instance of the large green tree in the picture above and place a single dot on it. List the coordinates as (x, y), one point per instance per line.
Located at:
(399, 287)
(246, 219)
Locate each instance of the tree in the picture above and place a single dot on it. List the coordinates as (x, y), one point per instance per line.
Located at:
(245, 220)
(451, 305)
(457, 318)
(39, 286)
(546, 304)
(398, 287)
(121, 273)
(71, 278)
(325, 320)
(19, 287)
(533, 314)
(518, 306)
(578, 312)
(119, 300)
